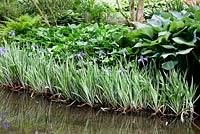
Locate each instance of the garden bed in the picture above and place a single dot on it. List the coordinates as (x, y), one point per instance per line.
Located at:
(127, 89)
(75, 58)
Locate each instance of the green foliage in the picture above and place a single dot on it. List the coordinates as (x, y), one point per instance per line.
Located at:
(175, 5)
(87, 38)
(153, 6)
(157, 6)
(69, 11)
(69, 17)
(97, 12)
(130, 89)
(20, 25)
(8, 10)
(168, 37)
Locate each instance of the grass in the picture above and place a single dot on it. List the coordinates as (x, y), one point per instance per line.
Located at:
(130, 89)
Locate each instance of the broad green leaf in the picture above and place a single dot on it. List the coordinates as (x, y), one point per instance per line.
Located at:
(177, 14)
(176, 26)
(147, 32)
(147, 52)
(158, 21)
(197, 15)
(180, 40)
(169, 65)
(155, 23)
(163, 37)
(140, 25)
(167, 54)
(156, 55)
(184, 52)
(179, 32)
(139, 44)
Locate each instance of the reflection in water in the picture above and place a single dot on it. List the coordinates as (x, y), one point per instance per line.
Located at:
(19, 114)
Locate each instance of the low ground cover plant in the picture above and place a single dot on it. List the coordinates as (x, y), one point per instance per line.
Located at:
(94, 40)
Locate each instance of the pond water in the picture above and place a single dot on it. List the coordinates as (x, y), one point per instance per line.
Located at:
(21, 114)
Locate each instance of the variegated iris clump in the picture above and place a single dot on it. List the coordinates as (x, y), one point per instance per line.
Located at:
(117, 88)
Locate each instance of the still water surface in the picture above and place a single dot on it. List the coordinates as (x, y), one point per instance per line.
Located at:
(20, 114)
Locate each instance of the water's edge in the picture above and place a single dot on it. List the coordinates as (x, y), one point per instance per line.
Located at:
(19, 113)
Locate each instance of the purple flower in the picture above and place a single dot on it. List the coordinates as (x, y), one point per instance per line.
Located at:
(12, 33)
(34, 46)
(101, 53)
(5, 125)
(142, 61)
(2, 50)
(80, 55)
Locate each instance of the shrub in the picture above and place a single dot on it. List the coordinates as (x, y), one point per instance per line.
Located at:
(20, 25)
(8, 10)
(172, 38)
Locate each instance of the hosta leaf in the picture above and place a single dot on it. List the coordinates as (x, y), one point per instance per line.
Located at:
(147, 52)
(155, 23)
(197, 15)
(179, 32)
(180, 40)
(140, 25)
(169, 65)
(158, 21)
(147, 32)
(139, 44)
(176, 26)
(176, 14)
(183, 52)
(156, 55)
(163, 37)
(167, 54)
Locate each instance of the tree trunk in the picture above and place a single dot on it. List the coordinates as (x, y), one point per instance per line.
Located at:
(132, 10)
(140, 11)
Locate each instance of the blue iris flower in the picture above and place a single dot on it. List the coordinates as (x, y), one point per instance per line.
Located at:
(34, 46)
(2, 50)
(5, 125)
(12, 33)
(142, 61)
(80, 55)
